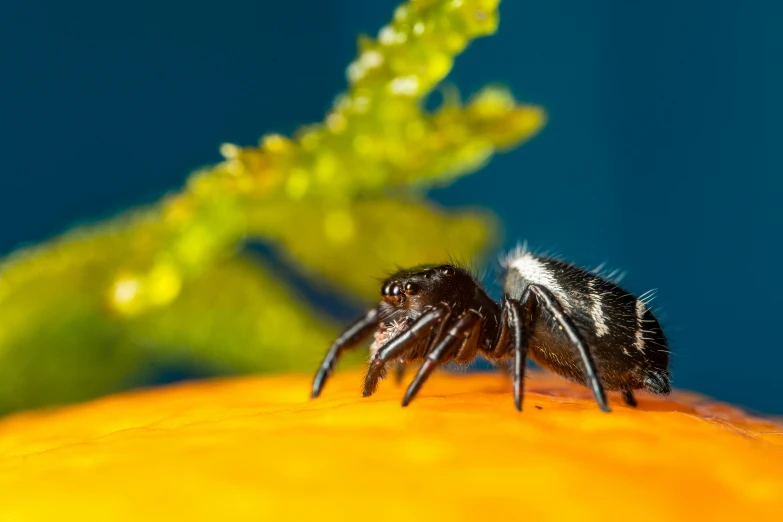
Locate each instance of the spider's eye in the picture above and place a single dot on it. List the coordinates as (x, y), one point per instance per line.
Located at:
(447, 270)
(411, 289)
(392, 294)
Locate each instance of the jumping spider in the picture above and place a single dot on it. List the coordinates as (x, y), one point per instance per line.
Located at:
(576, 323)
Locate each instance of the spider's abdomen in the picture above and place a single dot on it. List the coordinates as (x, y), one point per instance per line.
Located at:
(623, 335)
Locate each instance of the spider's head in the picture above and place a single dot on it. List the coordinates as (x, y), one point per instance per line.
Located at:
(408, 293)
(414, 290)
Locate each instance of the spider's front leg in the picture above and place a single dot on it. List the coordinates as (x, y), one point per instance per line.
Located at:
(422, 328)
(460, 342)
(350, 338)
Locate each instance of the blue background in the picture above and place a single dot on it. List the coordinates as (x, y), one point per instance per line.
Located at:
(661, 156)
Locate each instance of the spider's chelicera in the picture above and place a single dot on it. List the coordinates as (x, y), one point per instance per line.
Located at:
(576, 323)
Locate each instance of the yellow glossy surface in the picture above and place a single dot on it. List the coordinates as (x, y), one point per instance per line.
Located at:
(258, 449)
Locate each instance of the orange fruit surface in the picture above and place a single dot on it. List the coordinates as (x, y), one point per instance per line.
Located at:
(259, 449)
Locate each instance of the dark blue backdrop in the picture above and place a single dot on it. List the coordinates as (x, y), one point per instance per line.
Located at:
(661, 155)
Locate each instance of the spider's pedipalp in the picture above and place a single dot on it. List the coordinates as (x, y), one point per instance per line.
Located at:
(407, 340)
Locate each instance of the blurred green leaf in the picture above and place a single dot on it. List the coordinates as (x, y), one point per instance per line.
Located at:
(342, 202)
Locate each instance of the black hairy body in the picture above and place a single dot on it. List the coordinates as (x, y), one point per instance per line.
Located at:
(573, 322)
(623, 335)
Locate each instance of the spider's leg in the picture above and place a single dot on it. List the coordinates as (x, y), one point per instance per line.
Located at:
(505, 368)
(629, 399)
(446, 348)
(418, 351)
(405, 341)
(399, 372)
(520, 317)
(352, 336)
(500, 346)
(469, 346)
(549, 302)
